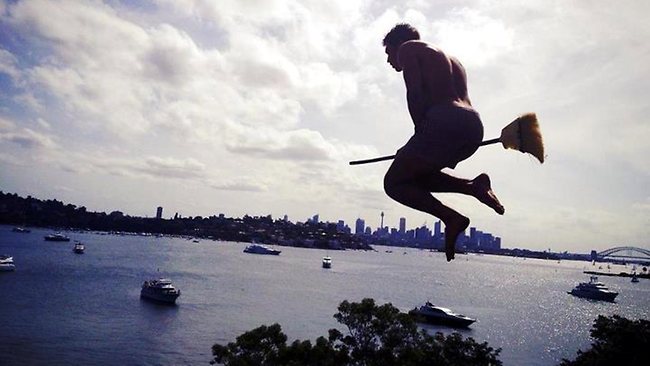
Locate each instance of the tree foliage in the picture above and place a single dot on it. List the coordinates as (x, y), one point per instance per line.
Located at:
(617, 341)
(377, 335)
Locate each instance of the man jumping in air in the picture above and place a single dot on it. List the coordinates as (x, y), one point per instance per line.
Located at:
(447, 131)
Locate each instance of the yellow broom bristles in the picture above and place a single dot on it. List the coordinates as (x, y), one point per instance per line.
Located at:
(523, 134)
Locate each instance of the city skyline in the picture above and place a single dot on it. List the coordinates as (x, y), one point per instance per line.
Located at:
(257, 107)
(422, 233)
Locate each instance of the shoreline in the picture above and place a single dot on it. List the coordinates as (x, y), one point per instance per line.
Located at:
(620, 274)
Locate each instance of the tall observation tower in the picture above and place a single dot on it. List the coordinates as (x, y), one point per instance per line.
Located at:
(382, 220)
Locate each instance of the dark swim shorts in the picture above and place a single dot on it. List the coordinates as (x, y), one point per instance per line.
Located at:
(446, 136)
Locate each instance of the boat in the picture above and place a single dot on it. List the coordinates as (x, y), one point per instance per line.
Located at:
(261, 249)
(21, 230)
(79, 248)
(7, 263)
(56, 237)
(431, 314)
(327, 262)
(160, 290)
(593, 290)
(635, 279)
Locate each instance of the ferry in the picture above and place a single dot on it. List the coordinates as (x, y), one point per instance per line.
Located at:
(56, 237)
(261, 249)
(160, 290)
(593, 290)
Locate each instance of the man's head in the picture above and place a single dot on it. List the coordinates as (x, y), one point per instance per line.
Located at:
(399, 34)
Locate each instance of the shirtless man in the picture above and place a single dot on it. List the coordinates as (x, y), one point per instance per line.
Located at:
(447, 131)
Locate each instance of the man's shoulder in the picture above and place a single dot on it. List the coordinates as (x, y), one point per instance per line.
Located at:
(413, 44)
(414, 47)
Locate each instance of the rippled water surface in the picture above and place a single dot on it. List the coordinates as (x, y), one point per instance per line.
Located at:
(61, 308)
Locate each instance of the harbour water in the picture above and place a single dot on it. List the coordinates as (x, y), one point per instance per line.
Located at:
(62, 308)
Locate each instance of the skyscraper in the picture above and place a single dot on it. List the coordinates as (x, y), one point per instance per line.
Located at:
(436, 229)
(159, 213)
(340, 226)
(359, 227)
(402, 225)
(382, 221)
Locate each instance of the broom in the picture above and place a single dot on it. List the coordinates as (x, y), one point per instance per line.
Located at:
(522, 134)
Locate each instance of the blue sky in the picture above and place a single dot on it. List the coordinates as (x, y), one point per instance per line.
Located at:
(255, 107)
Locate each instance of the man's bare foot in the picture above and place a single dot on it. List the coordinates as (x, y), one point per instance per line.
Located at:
(483, 192)
(453, 228)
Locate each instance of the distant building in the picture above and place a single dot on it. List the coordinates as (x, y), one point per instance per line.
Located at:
(360, 227)
(437, 229)
(422, 234)
(315, 219)
(487, 241)
(159, 212)
(402, 225)
(340, 226)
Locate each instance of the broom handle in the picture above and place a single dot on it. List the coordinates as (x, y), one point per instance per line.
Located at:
(489, 142)
(389, 157)
(373, 160)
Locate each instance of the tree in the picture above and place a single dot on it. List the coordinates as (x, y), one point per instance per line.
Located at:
(377, 335)
(618, 341)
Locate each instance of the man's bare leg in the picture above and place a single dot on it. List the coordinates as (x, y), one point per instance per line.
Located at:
(479, 187)
(402, 185)
(453, 228)
(483, 192)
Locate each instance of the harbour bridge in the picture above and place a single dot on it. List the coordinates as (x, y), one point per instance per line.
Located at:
(621, 253)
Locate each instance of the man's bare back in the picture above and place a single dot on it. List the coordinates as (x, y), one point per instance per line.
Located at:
(447, 131)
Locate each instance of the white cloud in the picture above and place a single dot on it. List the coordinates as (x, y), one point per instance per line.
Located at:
(151, 167)
(28, 139)
(25, 137)
(173, 168)
(241, 185)
(43, 123)
(475, 38)
(293, 145)
(6, 124)
(8, 64)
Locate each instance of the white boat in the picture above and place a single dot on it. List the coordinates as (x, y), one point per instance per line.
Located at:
(56, 237)
(21, 230)
(429, 313)
(160, 290)
(327, 262)
(261, 249)
(79, 248)
(7, 263)
(593, 290)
